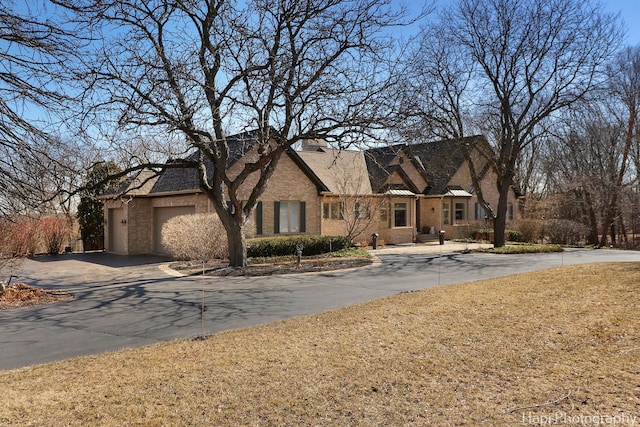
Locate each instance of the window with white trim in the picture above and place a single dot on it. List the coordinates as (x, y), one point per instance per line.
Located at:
(363, 210)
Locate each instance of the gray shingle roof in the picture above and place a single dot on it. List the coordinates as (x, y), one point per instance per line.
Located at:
(337, 171)
(379, 165)
(440, 160)
(184, 179)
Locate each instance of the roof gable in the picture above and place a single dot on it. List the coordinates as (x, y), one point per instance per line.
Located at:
(380, 165)
(442, 160)
(388, 164)
(340, 171)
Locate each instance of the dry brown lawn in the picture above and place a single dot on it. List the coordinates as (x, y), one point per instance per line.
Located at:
(559, 343)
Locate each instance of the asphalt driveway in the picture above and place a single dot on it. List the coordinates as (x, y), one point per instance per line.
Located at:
(132, 301)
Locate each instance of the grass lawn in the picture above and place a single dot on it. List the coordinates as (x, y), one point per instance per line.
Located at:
(558, 343)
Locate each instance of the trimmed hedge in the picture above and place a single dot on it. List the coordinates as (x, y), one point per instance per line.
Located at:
(514, 236)
(286, 245)
(524, 249)
(487, 234)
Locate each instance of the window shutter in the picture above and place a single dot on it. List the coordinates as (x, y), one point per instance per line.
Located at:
(303, 222)
(259, 218)
(276, 217)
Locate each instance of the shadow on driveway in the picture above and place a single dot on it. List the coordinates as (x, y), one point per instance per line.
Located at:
(105, 259)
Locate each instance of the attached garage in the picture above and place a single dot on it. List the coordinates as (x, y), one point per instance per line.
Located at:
(160, 217)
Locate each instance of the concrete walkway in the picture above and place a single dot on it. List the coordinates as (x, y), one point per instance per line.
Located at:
(430, 248)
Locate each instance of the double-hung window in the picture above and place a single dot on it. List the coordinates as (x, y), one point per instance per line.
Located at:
(363, 210)
(460, 211)
(400, 215)
(332, 210)
(445, 213)
(289, 217)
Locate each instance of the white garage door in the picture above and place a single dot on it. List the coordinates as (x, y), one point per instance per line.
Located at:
(160, 217)
(117, 231)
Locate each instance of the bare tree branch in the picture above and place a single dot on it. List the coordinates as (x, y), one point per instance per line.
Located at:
(204, 70)
(525, 61)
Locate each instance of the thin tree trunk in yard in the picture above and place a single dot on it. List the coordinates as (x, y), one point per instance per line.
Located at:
(611, 209)
(622, 230)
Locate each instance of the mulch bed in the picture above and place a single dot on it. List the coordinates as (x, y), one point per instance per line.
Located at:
(267, 269)
(22, 295)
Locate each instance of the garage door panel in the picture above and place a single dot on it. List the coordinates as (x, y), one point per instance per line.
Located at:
(160, 217)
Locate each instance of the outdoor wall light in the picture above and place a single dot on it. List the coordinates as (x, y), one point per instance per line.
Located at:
(124, 221)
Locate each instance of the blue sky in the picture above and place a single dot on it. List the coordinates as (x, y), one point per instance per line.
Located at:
(629, 12)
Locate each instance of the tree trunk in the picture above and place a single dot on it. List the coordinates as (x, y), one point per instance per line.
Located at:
(593, 221)
(237, 244)
(624, 238)
(500, 221)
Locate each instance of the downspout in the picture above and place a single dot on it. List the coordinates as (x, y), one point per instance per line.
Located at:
(320, 214)
(415, 222)
(441, 213)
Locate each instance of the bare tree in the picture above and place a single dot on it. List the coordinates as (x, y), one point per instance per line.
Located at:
(358, 207)
(624, 85)
(528, 60)
(435, 102)
(584, 163)
(438, 75)
(204, 69)
(36, 165)
(595, 146)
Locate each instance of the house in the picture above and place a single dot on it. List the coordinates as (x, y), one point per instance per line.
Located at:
(353, 204)
(134, 220)
(400, 192)
(439, 174)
